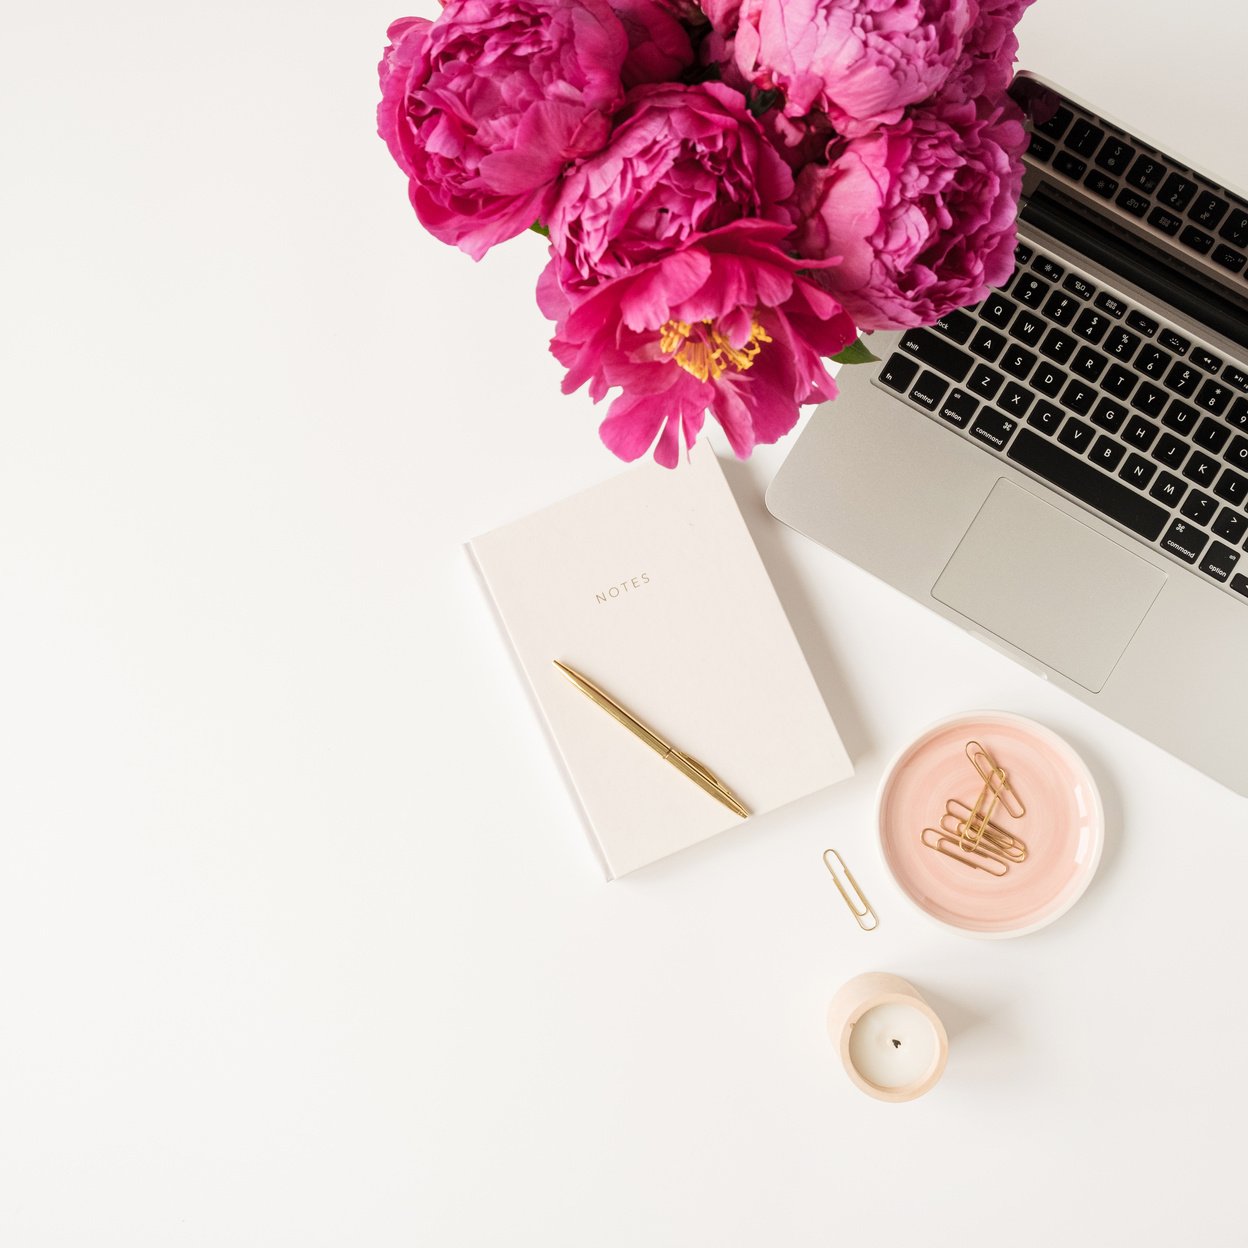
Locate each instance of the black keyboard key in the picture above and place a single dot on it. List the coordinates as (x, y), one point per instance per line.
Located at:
(1022, 253)
(1084, 137)
(1100, 184)
(1165, 221)
(1201, 469)
(1039, 147)
(1061, 309)
(1183, 379)
(1211, 436)
(1237, 417)
(1111, 305)
(1208, 210)
(1015, 400)
(1057, 346)
(1237, 453)
(1122, 344)
(1071, 166)
(1089, 364)
(993, 428)
(1239, 583)
(1180, 417)
(1183, 540)
(1107, 453)
(1056, 125)
(1196, 239)
(1132, 202)
(1231, 525)
(1045, 417)
(1173, 342)
(1076, 435)
(1235, 228)
(898, 372)
(941, 355)
(1177, 191)
(1017, 361)
(1028, 328)
(1149, 399)
(958, 408)
(1170, 451)
(1213, 397)
(1228, 257)
(1152, 362)
(1048, 269)
(1079, 286)
(1030, 290)
(1079, 397)
(1167, 489)
(1118, 381)
(1220, 562)
(997, 310)
(1137, 471)
(1091, 325)
(1140, 433)
(929, 390)
(955, 325)
(984, 382)
(1235, 377)
(1142, 324)
(1146, 174)
(1115, 155)
(1049, 380)
(1231, 487)
(987, 343)
(1109, 415)
(1199, 508)
(1089, 485)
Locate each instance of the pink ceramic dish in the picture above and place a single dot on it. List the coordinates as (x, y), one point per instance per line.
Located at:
(1063, 827)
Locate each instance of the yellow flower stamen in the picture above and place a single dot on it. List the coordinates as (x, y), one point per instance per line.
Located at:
(705, 353)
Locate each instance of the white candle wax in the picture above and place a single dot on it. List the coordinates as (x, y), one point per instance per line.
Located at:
(893, 1045)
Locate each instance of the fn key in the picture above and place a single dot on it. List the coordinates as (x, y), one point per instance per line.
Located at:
(898, 373)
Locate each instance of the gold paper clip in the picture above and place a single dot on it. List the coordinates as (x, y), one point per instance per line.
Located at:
(1005, 844)
(943, 844)
(995, 778)
(859, 914)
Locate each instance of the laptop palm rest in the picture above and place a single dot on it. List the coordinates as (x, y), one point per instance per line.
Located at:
(1029, 574)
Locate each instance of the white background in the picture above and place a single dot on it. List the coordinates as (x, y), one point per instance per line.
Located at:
(300, 941)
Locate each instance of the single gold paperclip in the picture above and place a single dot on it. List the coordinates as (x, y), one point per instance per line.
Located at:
(859, 914)
(943, 843)
(995, 778)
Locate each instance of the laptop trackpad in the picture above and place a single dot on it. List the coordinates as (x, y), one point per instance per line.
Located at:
(1049, 585)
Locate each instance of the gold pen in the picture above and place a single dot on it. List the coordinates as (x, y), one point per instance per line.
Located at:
(700, 775)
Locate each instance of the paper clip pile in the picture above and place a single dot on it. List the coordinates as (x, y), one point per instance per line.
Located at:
(967, 834)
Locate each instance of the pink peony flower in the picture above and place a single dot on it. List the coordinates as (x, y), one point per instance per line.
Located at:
(726, 324)
(987, 61)
(922, 213)
(860, 61)
(484, 107)
(682, 161)
(659, 46)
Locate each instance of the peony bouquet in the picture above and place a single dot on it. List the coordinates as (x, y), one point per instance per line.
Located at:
(731, 189)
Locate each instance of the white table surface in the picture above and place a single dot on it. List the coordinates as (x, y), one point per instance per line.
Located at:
(300, 941)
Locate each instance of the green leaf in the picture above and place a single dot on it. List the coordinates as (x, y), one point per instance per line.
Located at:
(855, 353)
(538, 228)
(763, 102)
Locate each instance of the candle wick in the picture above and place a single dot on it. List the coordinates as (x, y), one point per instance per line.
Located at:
(896, 1044)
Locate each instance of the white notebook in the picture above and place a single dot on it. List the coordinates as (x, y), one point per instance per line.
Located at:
(650, 585)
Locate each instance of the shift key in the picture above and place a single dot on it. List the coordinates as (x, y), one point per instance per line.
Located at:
(936, 352)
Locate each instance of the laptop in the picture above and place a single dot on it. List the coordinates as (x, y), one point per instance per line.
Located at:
(1062, 469)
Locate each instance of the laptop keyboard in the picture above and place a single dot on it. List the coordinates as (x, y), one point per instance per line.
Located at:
(1081, 388)
(1170, 200)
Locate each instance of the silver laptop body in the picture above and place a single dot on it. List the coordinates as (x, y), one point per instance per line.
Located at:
(1063, 469)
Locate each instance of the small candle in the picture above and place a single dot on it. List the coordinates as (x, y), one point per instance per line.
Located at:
(891, 1041)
